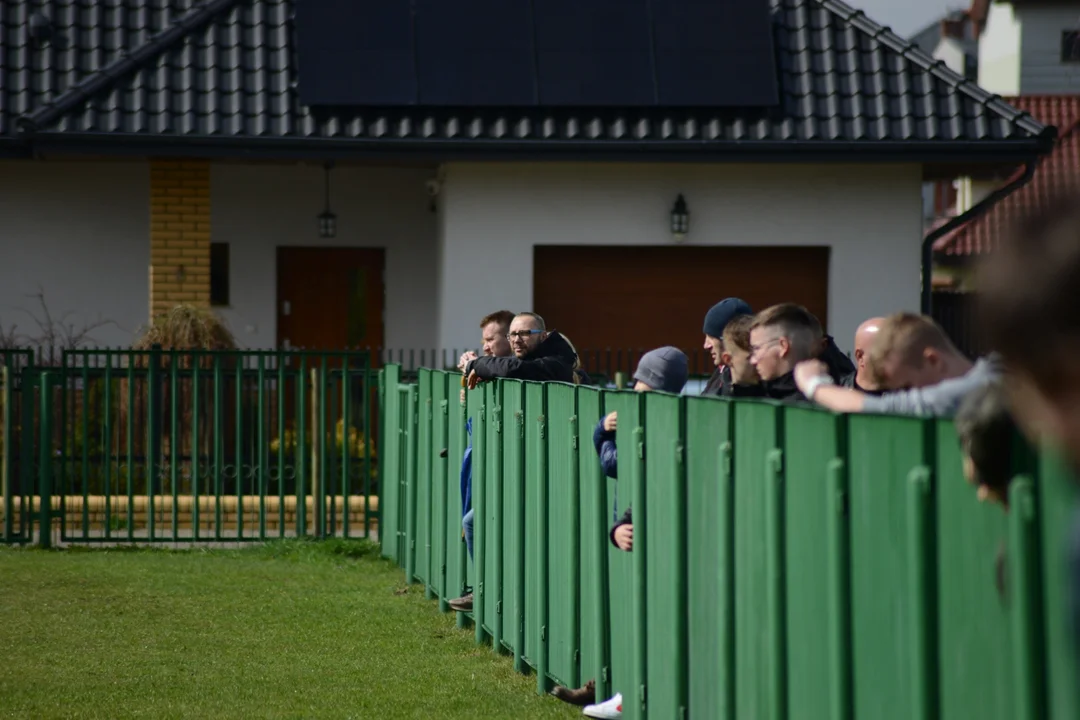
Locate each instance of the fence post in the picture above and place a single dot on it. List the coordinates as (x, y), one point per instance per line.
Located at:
(5, 452)
(45, 463)
(153, 428)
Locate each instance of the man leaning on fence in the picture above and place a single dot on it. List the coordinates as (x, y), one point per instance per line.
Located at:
(537, 355)
(493, 335)
(913, 360)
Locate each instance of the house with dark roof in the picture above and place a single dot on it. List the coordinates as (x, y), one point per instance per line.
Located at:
(388, 175)
(1030, 54)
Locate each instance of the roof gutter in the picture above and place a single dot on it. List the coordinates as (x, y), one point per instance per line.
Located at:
(973, 212)
(441, 149)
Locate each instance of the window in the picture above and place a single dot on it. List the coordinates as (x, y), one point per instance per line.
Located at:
(219, 274)
(1070, 46)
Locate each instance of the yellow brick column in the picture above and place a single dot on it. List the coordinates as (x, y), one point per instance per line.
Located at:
(179, 234)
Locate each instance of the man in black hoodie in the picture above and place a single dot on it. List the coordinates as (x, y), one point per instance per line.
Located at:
(781, 337)
(537, 355)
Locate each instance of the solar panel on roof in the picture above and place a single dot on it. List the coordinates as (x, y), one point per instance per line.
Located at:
(475, 52)
(715, 53)
(568, 53)
(355, 52)
(593, 52)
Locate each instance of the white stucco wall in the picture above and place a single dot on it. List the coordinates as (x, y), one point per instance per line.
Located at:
(258, 207)
(871, 215)
(80, 231)
(999, 51)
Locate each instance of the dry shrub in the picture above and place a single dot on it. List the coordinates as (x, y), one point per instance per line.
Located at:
(187, 327)
(182, 328)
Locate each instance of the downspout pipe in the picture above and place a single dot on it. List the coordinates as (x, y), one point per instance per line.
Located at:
(970, 214)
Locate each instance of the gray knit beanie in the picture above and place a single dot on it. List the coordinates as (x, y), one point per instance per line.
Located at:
(663, 369)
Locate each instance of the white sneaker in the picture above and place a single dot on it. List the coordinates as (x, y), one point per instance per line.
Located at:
(607, 710)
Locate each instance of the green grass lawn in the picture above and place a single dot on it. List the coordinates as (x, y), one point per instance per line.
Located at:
(293, 629)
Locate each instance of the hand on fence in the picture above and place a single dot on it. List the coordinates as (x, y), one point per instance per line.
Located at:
(610, 422)
(474, 379)
(466, 357)
(624, 537)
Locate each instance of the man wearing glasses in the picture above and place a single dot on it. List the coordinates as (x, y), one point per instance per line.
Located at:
(537, 355)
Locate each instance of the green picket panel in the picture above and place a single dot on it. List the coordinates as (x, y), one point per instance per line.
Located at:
(892, 643)
(456, 552)
(563, 538)
(513, 512)
(973, 616)
(621, 564)
(595, 514)
(474, 399)
(535, 518)
(709, 519)
(423, 479)
(815, 619)
(757, 439)
(665, 556)
(440, 490)
(409, 451)
(1058, 498)
(492, 539)
(789, 563)
(389, 502)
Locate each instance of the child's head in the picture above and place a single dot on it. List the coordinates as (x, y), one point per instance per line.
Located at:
(665, 369)
(737, 350)
(986, 430)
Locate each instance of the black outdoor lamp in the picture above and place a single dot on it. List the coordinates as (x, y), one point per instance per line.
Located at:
(327, 219)
(680, 219)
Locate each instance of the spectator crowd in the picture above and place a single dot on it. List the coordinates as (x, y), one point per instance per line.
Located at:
(903, 364)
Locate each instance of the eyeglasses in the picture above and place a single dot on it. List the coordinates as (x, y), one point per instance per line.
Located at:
(755, 350)
(522, 334)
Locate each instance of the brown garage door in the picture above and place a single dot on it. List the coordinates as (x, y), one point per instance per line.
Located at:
(629, 299)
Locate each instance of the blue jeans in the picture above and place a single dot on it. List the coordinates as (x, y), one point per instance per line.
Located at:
(466, 524)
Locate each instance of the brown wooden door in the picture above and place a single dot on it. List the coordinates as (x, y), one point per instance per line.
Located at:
(330, 298)
(639, 298)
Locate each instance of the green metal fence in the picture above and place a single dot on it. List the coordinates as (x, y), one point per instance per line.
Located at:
(203, 446)
(788, 563)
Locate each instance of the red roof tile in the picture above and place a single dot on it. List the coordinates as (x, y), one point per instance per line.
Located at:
(1056, 172)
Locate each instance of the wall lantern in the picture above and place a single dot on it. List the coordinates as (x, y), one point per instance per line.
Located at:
(327, 219)
(680, 219)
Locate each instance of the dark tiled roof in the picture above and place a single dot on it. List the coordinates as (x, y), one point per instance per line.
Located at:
(224, 72)
(1057, 172)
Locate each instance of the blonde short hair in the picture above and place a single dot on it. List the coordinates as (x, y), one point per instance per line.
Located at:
(903, 338)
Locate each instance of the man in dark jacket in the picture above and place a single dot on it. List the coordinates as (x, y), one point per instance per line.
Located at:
(716, 320)
(781, 337)
(537, 355)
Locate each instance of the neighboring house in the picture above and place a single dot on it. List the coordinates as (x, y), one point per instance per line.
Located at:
(1060, 170)
(163, 151)
(1029, 52)
(1031, 47)
(953, 39)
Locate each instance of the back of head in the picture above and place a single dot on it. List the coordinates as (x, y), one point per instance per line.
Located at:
(986, 430)
(722, 313)
(665, 369)
(737, 333)
(1028, 293)
(903, 339)
(797, 324)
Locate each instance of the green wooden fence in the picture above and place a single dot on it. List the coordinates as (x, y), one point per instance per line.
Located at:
(124, 446)
(788, 563)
